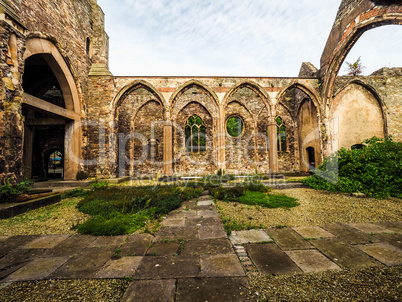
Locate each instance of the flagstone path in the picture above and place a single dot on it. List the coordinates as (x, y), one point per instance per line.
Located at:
(192, 259)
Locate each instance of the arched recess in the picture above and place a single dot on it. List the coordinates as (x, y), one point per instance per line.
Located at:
(345, 34)
(52, 108)
(303, 107)
(139, 115)
(194, 98)
(288, 159)
(248, 152)
(357, 114)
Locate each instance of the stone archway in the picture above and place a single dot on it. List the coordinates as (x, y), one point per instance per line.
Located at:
(353, 19)
(51, 106)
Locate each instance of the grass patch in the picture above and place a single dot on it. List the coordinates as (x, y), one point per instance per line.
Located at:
(117, 211)
(266, 200)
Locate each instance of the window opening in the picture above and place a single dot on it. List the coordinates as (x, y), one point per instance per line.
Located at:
(281, 134)
(234, 126)
(195, 134)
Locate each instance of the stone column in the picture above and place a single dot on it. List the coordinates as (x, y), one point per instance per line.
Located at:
(72, 149)
(221, 142)
(168, 149)
(273, 148)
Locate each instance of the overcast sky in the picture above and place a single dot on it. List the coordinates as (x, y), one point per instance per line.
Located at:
(232, 37)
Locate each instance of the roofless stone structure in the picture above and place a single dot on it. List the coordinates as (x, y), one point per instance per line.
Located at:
(62, 111)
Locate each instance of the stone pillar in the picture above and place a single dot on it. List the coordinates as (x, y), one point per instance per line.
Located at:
(221, 141)
(72, 150)
(273, 148)
(168, 149)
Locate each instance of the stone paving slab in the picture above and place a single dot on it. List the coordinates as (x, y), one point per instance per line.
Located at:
(348, 234)
(205, 202)
(20, 255)
(163, 249)
(287, 239)
(108, 241)
(212, 289)
(313, 232)
(172, 222)
(150, 291)
(344, 255)
(13, 242)
(395, 226)
(370, 228)
(312, 261)
(136, 245)
(158, 267)
(383, 252)
(249, 236)
(84, 265)
(207, 246)
(38, 269)
(270, 259)
(119, 268)
(208, 213)
(221, 266)
(45, 242)
(393, 239)
(71, 246)
(173, 233)
(211, 231)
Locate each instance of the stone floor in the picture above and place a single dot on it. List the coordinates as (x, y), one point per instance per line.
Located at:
(191, 259)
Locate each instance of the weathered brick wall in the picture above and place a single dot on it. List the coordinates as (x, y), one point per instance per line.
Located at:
(11, 120)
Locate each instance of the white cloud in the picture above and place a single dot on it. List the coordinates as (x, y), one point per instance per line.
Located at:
(219, 37)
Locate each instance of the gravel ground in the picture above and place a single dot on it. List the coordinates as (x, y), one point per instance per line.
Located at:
(65, 290)
(316, 208)
(57, 218)
(372, 284)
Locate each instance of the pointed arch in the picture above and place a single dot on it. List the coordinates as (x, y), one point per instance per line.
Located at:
(253, 86)
(347, 30)
(61, 68)
(131, 87)
(180, 90)
(314, 96)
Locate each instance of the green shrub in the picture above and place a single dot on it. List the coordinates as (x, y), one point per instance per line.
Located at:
(103, 185)
(257, 187)
(268, 200)
(79, 192)
(374, 170)
(9, 191)
(82, 175)
(228, 194)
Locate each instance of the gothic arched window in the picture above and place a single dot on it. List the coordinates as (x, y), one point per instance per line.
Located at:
(195, 134)
(281, 134)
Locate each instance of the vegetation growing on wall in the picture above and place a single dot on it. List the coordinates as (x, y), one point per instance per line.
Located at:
(375, 170)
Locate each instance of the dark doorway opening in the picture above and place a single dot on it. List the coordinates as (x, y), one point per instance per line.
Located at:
(311, 158)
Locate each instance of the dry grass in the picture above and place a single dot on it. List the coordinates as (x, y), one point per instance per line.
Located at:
(316, 208)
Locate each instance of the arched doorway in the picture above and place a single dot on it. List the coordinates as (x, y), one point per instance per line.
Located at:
(51, 110)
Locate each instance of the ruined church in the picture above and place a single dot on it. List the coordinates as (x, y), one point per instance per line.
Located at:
(63, 112)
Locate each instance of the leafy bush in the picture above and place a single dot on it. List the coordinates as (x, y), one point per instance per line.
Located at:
(228, 194)
(9, 191)
(374, 170)
(268, 200)
(79, 192)
(82, 175)
(103, 185)
(257, 187)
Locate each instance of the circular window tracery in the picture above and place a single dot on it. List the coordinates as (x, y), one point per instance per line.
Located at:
(234, 126)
